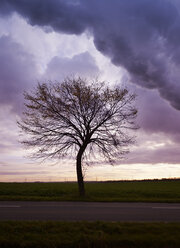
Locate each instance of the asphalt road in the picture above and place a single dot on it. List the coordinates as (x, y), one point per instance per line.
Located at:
(89, 211)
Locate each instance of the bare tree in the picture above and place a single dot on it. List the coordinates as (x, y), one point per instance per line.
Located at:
(78, 116)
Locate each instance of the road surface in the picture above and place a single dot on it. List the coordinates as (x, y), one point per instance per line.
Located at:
(89, 211)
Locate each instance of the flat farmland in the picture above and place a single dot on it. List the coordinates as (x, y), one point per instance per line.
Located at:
(121, 191)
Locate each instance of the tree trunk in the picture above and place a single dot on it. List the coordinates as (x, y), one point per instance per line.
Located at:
(79, 173)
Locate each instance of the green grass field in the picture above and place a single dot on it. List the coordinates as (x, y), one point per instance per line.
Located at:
(86, 235)
(127, 191)
(30, 234)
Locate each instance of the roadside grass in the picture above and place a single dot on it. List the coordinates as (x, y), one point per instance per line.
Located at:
(122, 191)
(25, 234)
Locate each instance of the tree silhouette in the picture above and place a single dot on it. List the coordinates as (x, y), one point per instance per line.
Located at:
(80, 117)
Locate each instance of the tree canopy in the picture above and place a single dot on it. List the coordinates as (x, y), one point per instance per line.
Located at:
(78, 117)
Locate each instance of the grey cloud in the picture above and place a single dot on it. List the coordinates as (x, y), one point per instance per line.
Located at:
(141, 35)
(22, 172)
(167, 154)
(3, 148)
(2, 164)
(143, 43)
(156, 115)
(58, 14)
(81, 64)
(17, 72)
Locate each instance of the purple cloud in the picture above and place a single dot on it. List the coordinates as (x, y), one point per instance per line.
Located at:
(156, 115)
(142, 35)
(165, 154)
(17, 72)
(82, 65)
(8, 173)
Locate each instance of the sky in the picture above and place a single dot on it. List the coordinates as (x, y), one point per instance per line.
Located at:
(135, 44)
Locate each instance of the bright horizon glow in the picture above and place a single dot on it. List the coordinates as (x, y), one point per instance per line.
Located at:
(67, 173)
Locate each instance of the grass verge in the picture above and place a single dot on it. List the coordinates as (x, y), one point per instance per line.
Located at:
(85, 234)
(123, 191)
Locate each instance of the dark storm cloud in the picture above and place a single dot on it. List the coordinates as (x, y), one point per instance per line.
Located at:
(141, 35)
(60, 15)
(17, 72)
